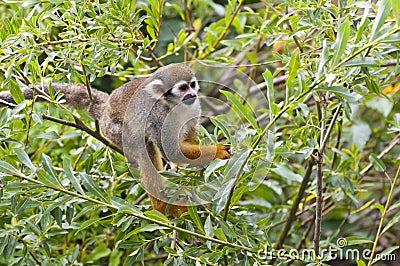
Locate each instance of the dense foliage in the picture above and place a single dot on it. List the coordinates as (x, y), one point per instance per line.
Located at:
(314, 127)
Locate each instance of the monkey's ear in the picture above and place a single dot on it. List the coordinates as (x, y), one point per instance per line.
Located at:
(155, 88)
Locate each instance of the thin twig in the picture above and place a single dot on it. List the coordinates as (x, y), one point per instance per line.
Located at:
(223, 33)
(378, 233)
(80, 125)
(390, 146)
(295, 206)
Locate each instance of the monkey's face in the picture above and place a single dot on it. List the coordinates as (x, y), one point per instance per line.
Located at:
(183, 92)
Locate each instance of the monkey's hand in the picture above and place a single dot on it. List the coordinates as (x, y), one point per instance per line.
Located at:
(223, 151)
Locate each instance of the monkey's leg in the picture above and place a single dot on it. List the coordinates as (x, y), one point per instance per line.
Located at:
(160, 203)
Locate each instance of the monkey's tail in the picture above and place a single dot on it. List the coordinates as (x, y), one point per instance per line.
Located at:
(75, 95)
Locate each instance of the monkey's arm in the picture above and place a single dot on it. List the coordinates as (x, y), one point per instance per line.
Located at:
(206, 154)
(202, 154)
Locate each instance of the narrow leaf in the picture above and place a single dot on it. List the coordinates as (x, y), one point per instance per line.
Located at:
(88, 223)
(48, 167)
(156, 215)
(294, 65)
(377, 163)
(93, 187)
(341, 42)
(213, 166)
(396, 10)
(195, 218)
(71, 176)
(324, 59)
(221, 196)
(273, 109)
(359, 62)
(9, 169)
(383, 12)
(24, 158)
(17, 94)
(235, 163)
(243, 110)
(392, 222)
(363, 22)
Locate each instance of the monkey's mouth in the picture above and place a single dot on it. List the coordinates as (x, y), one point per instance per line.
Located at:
(189, 99)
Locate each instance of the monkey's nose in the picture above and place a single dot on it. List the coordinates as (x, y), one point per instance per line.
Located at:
(189, 99)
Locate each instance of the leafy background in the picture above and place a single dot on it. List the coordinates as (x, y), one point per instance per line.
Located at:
(330, 71)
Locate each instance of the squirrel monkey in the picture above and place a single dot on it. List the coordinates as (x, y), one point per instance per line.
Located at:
(144, 117)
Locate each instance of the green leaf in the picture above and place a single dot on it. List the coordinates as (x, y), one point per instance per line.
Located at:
(294, 65)
(269, 80)
(195, 218)
(213, 166)
(17, 94)
(221, 125)
(52, 135)
(24, 158)
(341, 42)
(243, 110)
(379, 207)
(356, 240)
(340, 91)
(377, 163)
(3, 242)
(392, 222)
(359, 62)
(10, 248)
(71, 176)
(156, 215)
(396, 10)
(219, 233)
(235, 164)
(144, 228)
(324, 59)
(57, 214)
(69, 214)
(362, 23)
(9, 169)
(48, 167)
(88, 223)
(208, 228)
(383, 12)
(237, 195)
(286, 173)
(100, 251)
(93, 187)
(220, 198)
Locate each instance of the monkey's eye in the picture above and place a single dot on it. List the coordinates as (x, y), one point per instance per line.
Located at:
(193, 84)
(184, 87)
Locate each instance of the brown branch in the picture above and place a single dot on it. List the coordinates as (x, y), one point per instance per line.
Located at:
(80, 125)
(319, 160)
(295, 206)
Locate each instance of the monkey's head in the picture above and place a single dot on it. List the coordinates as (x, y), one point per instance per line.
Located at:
(175, 83)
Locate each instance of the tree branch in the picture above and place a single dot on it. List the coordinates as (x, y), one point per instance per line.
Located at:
(80, 125)
(295, 206)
